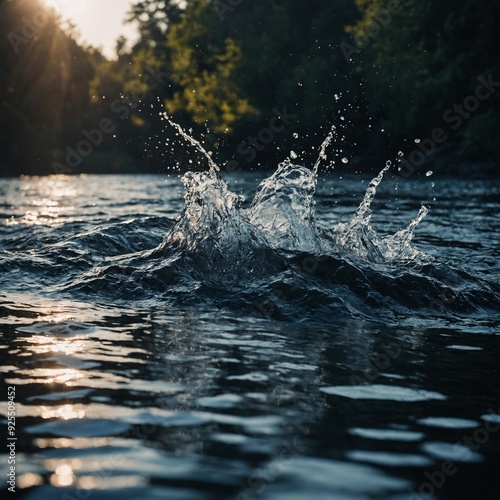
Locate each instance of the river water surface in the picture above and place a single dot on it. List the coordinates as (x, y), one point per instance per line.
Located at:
(174, 340)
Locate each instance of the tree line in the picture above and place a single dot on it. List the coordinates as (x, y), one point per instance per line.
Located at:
(412, 80)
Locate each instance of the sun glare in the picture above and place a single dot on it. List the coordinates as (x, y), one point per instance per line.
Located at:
(99, 23)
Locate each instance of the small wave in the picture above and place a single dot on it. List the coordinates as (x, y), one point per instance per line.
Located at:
(269, 257)
(273, 260)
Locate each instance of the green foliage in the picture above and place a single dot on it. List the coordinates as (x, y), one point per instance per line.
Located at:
(232, 66)
(426, 60)
(44, 85)
(226, 67)
(204, 69)
(291, 55)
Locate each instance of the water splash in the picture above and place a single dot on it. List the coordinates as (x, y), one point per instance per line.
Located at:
(359, 238)
(364, 210)
(322, 149)
(283, 208)
(281, 218)
(398, 245)
(215, 234)
(274, 258)
(194, 142)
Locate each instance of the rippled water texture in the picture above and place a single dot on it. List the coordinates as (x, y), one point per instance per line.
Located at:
(251, 337)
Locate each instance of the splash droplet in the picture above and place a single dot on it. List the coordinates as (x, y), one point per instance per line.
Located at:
(417, 141)
(400, 153)
(295, 135)
(345, 160)
(429, 173)
(293, 155)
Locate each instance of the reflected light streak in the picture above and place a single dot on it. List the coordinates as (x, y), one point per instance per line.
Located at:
(53, 200)
(59, 375)
(74, 443)
(65, 412)
(44, 345)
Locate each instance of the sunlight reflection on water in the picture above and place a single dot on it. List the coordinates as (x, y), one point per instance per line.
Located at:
(139, 396)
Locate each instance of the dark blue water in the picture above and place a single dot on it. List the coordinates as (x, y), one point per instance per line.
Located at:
(299, 344)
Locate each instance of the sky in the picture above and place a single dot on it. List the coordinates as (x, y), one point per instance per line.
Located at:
(100, 22)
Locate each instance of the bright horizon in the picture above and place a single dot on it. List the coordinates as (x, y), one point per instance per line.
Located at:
(99, 22)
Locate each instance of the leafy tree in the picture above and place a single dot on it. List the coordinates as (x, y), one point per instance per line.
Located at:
(227, 69)
(43, 87)
(232, 67)
(154, 18)
(204, 69)
(426, 59)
